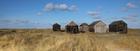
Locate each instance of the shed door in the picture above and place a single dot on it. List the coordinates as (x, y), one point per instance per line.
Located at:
(98, 29)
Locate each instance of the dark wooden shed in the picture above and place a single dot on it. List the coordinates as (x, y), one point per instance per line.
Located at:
(72, 27)
(56, 27)
(118, 26)
(84, 27)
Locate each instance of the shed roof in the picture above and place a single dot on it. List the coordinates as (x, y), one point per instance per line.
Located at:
(56, 24)
(116, 22)
(72, 23)
(94, 23)
(84, 24)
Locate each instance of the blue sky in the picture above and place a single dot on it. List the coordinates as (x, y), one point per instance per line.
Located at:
(43, 13)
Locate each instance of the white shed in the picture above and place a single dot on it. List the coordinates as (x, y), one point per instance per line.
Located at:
(98, 27)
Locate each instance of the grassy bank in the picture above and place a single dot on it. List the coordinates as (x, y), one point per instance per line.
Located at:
(47, 40)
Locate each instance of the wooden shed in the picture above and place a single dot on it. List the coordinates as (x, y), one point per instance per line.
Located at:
(72, 27)
(98, 27)
(56, 27)
(118, 26)
(84, 27)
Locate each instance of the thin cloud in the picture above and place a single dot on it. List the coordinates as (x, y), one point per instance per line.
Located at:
(94, 14)
(61, 7)
(14, 21)
(22, 21)
(129, 6)
(73, 8)
(49, 7)
(39, 13)
(131, 18)
(5, 21)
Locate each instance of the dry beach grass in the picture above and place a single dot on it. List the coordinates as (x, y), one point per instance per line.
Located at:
(47, 40)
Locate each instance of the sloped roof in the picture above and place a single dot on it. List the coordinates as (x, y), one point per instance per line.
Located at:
(84, 24)
(72, 23)
(56, 24)
(116, 22)
(94, 23)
